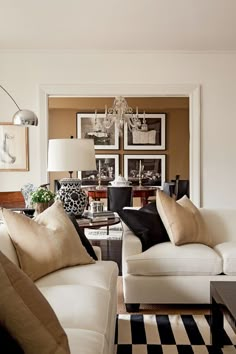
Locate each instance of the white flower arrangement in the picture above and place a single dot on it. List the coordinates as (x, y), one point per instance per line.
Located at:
(42, 195)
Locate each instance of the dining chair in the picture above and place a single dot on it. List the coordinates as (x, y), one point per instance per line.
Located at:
(57, 185)
(177, 188)
(169, 188)
(181, 188)
(119, 197)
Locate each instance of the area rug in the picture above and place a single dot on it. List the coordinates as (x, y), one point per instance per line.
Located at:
(169, 334)
(115, 233)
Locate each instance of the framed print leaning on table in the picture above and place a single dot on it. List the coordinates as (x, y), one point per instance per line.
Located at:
(108, 168)
(14, 150)
(151, 136)
(150, 168)
(90, 125)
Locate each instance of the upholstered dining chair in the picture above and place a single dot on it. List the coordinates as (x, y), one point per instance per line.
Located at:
(119, 197)
(57, 185)
(181, 188)
(177, 188)
(169, 188)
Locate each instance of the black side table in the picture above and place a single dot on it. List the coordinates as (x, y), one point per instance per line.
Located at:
(223, 303)
(111, 249)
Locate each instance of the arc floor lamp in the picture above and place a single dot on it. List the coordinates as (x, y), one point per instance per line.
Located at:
(22, 116)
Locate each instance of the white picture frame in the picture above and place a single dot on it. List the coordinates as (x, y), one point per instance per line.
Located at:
(88, 127)
(109, 165)
(152, 167)
(151, 137)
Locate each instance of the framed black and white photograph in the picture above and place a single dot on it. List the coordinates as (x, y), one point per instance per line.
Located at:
(92, 126)
(151, 169)
(107, 168)
(150, 136)
(14, 149)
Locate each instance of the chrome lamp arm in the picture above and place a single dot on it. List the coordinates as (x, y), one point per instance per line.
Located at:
(23, 117)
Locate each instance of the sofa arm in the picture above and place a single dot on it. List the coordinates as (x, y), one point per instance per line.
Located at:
(98, 252)
(131, 244)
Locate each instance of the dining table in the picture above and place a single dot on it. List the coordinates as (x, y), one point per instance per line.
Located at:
(142, 192)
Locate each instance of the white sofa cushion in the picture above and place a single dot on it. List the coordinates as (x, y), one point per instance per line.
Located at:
(80, 306)
(101, 274)
(220, 224)
(227, 250)
(86, 342)
(168, 259)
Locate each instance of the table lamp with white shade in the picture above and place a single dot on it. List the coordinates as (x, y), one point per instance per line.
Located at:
(71, 155)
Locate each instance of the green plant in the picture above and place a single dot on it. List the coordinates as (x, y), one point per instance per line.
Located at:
(42, 195)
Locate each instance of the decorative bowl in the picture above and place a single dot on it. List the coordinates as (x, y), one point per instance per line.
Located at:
(120, 181)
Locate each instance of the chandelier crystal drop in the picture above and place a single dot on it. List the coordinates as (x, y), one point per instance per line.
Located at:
(119, 114)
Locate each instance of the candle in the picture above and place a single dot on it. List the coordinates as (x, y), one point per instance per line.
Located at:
(99, 167)
(140, 168)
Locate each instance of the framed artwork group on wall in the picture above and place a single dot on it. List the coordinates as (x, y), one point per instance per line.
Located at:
(108, 167)
(90, 126)
(151, 169)
(14, 150)
(148, 168)
(151, 136)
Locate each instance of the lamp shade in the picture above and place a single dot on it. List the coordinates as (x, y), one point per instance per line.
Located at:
(71, 155)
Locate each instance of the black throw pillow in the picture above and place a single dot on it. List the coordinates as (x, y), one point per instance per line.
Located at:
(146, 225)
(150, 207)
(85, 242)
(8, 345)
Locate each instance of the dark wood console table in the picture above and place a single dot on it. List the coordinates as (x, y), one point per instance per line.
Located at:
(13, 199)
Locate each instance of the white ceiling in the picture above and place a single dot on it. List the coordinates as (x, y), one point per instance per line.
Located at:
(189, 25)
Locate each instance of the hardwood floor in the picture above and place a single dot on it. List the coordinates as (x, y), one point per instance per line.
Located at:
(111, 250)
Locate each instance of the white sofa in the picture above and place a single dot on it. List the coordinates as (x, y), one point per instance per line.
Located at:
(166, 273)
(84, 299)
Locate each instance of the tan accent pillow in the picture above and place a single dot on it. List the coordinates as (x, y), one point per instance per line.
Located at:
(182, 220)
(46, 243)
(27, 315)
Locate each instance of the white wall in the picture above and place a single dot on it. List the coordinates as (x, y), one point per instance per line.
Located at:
(23, 73)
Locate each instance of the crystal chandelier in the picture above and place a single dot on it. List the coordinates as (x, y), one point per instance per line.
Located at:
(120, 113)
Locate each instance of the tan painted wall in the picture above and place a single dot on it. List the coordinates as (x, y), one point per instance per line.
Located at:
(62, 124)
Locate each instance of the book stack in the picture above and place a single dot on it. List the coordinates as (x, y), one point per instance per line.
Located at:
(98, 216)
(84, 221)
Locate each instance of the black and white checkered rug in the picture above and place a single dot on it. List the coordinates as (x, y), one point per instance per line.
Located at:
(168, 334)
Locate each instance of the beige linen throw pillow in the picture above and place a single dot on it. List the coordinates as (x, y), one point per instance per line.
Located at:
(182, 220)
(46, 243)
(27, 315)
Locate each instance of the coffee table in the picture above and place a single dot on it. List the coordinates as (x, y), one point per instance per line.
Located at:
(97, 225)
(223, 303)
